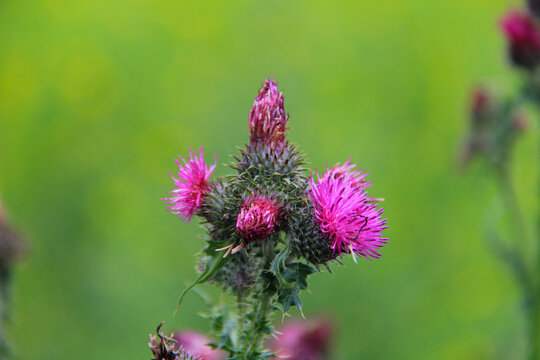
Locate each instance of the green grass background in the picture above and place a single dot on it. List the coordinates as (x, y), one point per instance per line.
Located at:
(98, 97)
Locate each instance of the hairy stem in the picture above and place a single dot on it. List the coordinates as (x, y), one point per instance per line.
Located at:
(252, 335)
(261, 315)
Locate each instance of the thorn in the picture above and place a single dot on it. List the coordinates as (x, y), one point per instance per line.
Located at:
(238, 248)
(229, 249)
(353, 254)
(159, 326)
(328, 268)
(226, 247)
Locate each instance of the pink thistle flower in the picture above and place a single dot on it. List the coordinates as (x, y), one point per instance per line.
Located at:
(356, 177)
(267, 118)
(523, 37)
(196, 344)
(258, 218)
(191, 185)
(344, 212)
(303, 340)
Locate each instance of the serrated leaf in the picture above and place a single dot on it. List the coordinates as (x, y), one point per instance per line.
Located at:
(296, 274)
(279, 265)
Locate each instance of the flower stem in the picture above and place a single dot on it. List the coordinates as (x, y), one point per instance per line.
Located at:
(253, 335)
(529, 286)
(510, 202)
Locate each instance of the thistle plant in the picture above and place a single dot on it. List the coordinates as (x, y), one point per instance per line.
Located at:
(271, 224)
(495, 125)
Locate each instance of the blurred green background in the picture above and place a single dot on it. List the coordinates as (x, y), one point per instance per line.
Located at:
(98, 97)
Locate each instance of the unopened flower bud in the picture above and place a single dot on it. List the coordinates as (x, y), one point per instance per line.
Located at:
(523, 38)
(519, 122)
(267, 118)
(481, 107)
(258, 218)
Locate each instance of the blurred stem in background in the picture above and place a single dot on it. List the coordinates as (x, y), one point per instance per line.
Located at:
(494, 127)
(516, 258)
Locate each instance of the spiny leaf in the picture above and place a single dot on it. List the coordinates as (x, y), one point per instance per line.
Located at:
(295, 273)
(278, 265)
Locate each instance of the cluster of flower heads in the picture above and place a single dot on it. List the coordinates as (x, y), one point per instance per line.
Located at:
(494, 122)
(492, 127)
(523, 35)
(273, 198)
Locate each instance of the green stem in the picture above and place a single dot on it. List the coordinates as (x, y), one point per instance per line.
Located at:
(510, 201)
(528, 284)
(252, 341)
(532, 312)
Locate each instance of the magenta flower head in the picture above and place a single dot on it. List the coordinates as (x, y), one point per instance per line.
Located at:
(267, 118)
(356, 177)
(303, 340)
(191, 185)
(196, 345)
(523, 38)
(258, 218)
(345, 214)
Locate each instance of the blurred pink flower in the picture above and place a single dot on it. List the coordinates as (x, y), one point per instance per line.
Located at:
(195, 344)
(303, 340)
(267, 118)
(191, 185)
(523, 37)
(345, 213)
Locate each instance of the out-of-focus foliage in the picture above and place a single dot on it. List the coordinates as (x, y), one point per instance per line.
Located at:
(98, 97)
